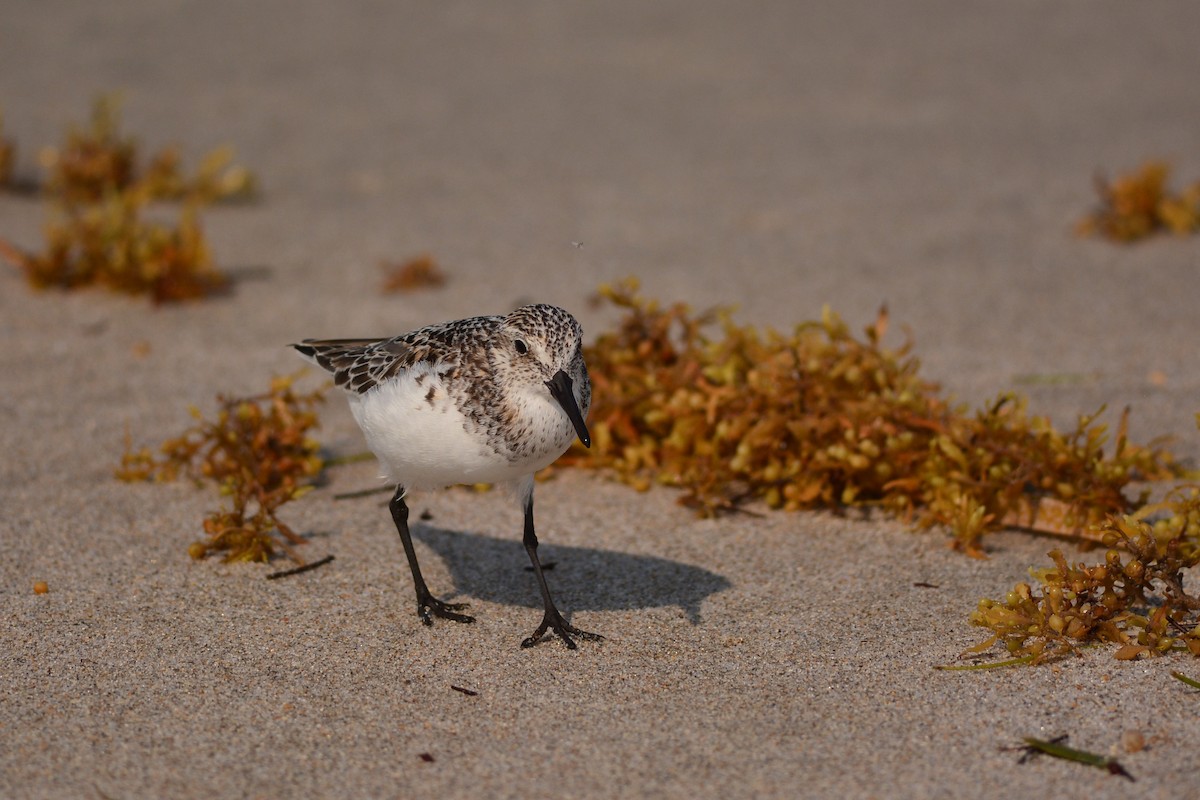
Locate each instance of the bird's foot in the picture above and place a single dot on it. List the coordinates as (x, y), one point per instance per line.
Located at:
(429, 607)
(554, 621)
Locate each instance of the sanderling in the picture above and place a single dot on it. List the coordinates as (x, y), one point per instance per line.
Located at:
(479, 400)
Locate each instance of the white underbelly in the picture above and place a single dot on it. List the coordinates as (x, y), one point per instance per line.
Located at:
(422, 443)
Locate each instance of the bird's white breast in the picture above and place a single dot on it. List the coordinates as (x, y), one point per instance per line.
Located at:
(420, 437)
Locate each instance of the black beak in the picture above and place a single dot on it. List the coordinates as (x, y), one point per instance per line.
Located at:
(561, 389)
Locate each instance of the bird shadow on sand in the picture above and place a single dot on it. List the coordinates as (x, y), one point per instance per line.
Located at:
(581, 578)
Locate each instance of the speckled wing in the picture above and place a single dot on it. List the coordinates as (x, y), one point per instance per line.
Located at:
(359, 365)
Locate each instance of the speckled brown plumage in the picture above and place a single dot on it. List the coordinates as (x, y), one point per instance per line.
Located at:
(461, 355)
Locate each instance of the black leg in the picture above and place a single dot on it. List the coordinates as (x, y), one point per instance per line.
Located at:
(552, 619)
(427, 604)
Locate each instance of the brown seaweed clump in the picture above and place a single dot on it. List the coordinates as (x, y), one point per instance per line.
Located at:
(818, 418)
(1139, 204)
(111, 243)
(259, 453)
(421, 272)
(100, 231)
(1135, 597)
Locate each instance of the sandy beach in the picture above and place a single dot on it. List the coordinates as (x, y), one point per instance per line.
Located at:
(777, 157)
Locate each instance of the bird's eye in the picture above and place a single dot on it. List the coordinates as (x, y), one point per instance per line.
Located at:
(522, 349)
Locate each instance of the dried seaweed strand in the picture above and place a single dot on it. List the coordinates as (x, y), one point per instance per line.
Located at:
(1058, 750)
(297, 570)
(1179, 676)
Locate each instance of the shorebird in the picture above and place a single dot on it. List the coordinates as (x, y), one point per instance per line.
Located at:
(481, 400)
